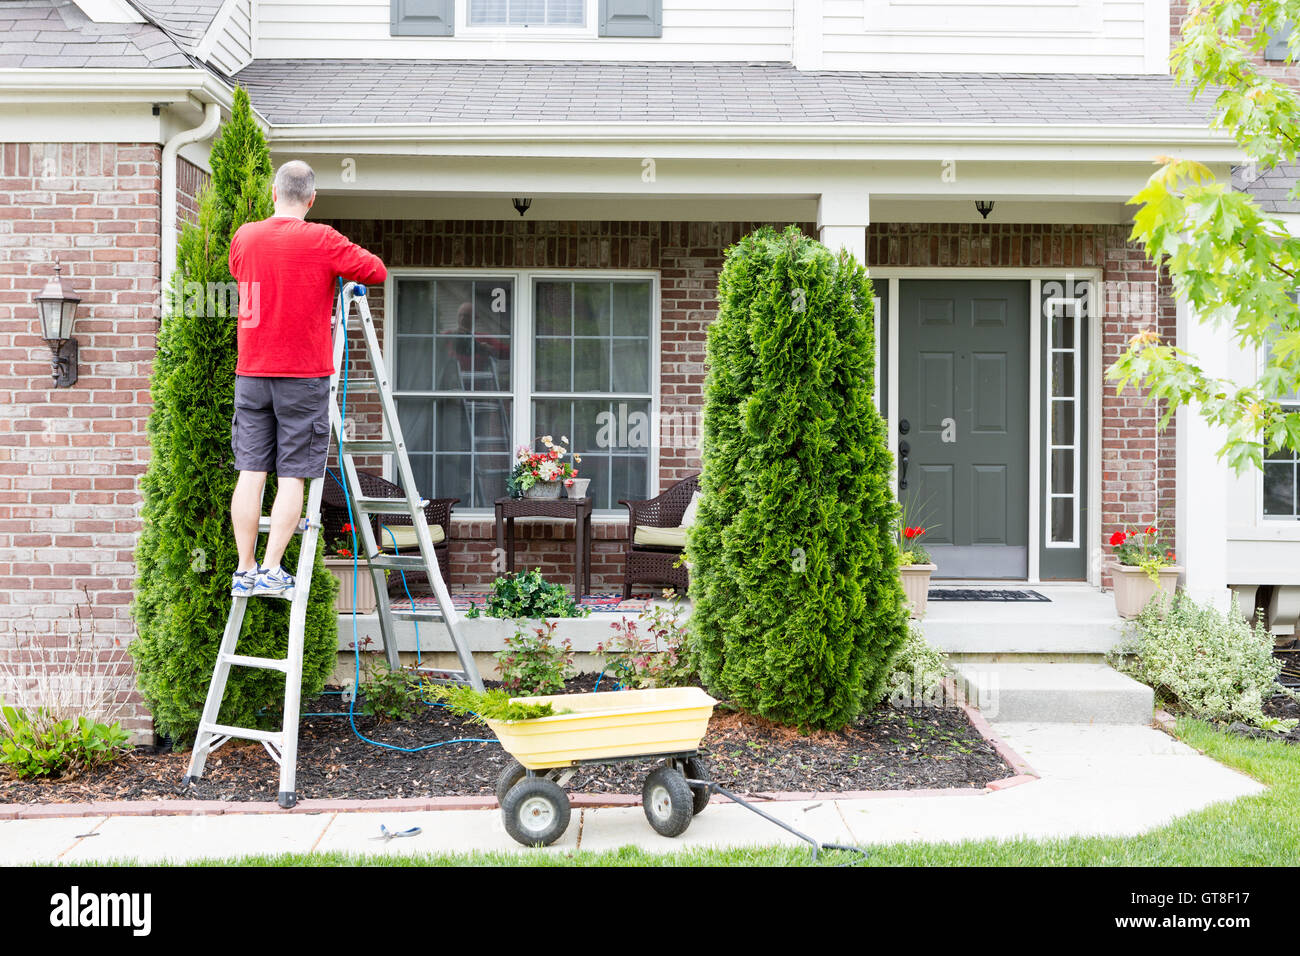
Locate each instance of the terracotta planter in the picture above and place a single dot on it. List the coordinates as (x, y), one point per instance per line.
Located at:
(916, 586)
(341, 568)
(1134, 588)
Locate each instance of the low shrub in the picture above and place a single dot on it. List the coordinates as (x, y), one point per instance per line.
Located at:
(386, 694)
(532, 663)
(1203, 662)
(37, 744)
(528, 594)
(61, 708)
(659, 659)
(916, 671)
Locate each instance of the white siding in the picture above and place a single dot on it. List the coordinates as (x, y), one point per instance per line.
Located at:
(692, 30)
(1015, 36)
(228, 44)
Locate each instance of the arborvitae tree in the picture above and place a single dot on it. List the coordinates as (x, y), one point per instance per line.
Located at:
(186, 552)
(794, 561)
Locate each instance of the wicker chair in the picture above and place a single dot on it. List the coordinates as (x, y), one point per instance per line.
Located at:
(334, 515)
(649, 564)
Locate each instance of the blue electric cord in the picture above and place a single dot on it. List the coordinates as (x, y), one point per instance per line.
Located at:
(356, 644)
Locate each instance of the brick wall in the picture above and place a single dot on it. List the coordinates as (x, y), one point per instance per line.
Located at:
(688, 256)
(70, 458)
(1138, 476)
(1286, 72)
(1137, 461)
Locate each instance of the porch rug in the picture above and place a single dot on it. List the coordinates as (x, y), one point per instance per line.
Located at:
(610, 602)
(986, 594)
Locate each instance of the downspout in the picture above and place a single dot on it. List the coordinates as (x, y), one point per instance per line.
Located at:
(170, 153)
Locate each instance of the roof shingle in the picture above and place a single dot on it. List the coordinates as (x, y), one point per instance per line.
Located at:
(494, 91)
(55, 33)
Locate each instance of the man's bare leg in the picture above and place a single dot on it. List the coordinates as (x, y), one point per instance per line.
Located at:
(245, 510)
(285, 514)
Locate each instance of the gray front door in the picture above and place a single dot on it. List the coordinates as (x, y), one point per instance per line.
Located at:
(963, 422)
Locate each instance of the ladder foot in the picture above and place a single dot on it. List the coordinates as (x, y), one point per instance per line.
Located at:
(187, 780)
(288, 799)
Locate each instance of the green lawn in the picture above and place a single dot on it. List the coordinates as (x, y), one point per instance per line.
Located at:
(1254, 831)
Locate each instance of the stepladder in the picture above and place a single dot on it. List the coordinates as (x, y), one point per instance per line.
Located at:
(282, 744)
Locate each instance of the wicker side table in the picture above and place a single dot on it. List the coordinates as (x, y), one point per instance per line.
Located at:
(577, 510)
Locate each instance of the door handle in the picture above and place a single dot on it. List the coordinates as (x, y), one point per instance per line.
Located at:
(903, 450)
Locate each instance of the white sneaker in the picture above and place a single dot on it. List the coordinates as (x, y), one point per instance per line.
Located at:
(273, 582)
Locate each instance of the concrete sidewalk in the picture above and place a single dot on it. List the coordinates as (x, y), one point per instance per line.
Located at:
(1096, 780)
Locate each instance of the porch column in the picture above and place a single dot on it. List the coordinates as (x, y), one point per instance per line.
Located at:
(1202, 492)
(842, 220)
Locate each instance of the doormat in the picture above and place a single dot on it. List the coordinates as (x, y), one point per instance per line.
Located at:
(462, 600)
(986, 594)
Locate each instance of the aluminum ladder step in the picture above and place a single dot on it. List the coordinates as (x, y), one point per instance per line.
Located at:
(388, 506)
(368, 446)
(398, 562)
(244, 733)
(263, 663)
(431, 615)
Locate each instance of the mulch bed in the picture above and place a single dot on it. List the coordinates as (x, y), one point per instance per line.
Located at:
(1281, 706)
(887, 749)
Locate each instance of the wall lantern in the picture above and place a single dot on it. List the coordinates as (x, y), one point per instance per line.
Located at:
(521, 204)
(984, 207)
(57, 304)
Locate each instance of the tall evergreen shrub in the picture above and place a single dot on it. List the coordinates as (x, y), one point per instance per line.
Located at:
(794, 564)
(186, 551)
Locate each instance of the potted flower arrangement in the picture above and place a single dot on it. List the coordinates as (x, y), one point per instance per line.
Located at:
(338, 561)
(1144, 568)
(914, 568)
(541, 474)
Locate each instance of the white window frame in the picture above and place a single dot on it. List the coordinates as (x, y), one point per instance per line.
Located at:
(1074, 350)
(1261, 356)
(588, 30)
(521, 360)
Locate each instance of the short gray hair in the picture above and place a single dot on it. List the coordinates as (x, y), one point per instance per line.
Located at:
(295, 182)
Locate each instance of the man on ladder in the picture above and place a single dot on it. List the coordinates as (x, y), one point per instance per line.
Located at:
(286, 269)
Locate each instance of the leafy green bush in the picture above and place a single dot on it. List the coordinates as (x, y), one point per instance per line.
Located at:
(186, 551)
(794, 562)
(1203, 662)
(917, 669)
(660, 659)
(36, 744)
(492, 703)
(527, 594)
(390, 694)
(532, 664)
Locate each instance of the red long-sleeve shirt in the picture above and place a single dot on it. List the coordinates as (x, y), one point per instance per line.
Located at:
(286, 270)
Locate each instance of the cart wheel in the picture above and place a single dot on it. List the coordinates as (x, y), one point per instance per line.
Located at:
(536, 811)
(697, 769)
(513, 773)
(668, 802)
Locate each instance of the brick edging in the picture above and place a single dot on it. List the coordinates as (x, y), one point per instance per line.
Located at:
(176, 808)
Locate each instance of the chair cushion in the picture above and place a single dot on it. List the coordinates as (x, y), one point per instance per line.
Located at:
(405, 535)
(660, 537)
(692, 509)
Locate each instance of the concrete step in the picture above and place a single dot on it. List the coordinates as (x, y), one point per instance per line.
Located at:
(1055, 693)
(1077, 620)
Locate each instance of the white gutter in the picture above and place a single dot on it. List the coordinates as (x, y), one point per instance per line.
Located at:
(211, 119)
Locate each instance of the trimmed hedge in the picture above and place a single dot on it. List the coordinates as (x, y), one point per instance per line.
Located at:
(186, 552)
(794, 564)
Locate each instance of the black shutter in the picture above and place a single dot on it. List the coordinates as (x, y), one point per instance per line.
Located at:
(631, 18)
(1277, 48)
(422, 18)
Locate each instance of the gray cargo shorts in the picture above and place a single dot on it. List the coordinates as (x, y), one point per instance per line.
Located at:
(281, 425)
